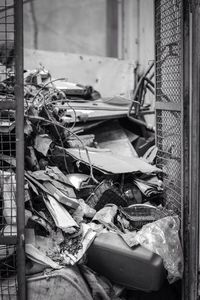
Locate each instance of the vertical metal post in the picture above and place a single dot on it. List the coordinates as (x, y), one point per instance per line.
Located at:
(194, 155)
(185, 142)
(19, 96)
(157, 56)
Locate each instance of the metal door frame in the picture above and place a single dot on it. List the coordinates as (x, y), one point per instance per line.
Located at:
(190, 141)
(192, 277)
(12, 31)
(19, 96)
(190, 147)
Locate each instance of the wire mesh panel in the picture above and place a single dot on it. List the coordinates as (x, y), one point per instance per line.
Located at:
(8, 227)
(8, 204)
(8, 138)
(168, 41)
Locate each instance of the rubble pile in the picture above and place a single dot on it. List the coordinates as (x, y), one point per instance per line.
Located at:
(88, 170)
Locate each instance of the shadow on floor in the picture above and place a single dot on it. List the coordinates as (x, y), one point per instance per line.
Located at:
(167, 292)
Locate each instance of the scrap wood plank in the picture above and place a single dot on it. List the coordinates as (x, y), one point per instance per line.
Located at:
(109, 76)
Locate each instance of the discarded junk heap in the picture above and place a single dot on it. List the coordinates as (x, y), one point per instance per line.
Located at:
(93, 195)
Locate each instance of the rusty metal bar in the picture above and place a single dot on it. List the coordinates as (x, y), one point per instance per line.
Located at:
(19, 95)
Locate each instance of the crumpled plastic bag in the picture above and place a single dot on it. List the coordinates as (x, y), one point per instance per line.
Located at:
(162, 237)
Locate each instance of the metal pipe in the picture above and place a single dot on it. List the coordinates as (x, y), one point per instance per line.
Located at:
(150, 82)
(150, 89)
(142, 123)
(135, 93)
(19, 96)
(138, 86)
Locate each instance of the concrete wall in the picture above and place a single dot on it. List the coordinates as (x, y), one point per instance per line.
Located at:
(80, 26)
(66, 25)
(146, 32)
(137, 31)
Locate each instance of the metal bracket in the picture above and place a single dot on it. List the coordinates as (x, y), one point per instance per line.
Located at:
(170, 106)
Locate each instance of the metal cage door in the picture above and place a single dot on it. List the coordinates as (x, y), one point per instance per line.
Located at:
(177, 46)
(12, 239)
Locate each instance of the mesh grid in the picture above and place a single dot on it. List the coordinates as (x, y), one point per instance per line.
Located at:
(168, 90)
(168, 49)
(8, 273)
(8, 230)
(169, 155)
(7, 175)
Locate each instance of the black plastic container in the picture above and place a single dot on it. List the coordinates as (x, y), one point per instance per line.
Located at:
(133, 268)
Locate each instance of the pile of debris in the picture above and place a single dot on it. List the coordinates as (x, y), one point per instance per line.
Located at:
(88, 171)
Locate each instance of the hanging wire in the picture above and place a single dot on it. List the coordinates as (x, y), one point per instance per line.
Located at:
(58, 135)
(61, 92)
